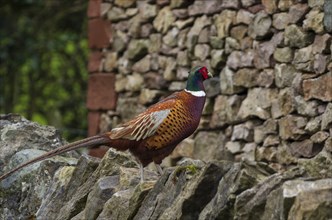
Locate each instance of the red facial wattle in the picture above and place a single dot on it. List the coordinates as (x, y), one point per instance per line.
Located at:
(204, 72)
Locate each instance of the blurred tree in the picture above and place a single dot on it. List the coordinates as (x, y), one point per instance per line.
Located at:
(43, 62)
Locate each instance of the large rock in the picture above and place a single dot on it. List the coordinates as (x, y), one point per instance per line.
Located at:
(260, 27)
(224, 21)
(110, 188)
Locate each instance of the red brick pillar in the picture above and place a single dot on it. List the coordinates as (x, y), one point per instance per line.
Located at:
(101, 92)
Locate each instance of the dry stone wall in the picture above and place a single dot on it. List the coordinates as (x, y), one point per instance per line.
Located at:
(271, 98)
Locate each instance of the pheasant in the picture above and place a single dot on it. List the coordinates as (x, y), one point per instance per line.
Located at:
(152, 135)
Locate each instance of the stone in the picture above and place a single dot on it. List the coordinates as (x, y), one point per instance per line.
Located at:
(265, 78)
(153, 80)
(120, 41)
(320, 63)
(110, 61)
(101, 192)
(180, 13)
(170, 39)
(321, 44)
(192, 36)
(146, 30)
(134, 82)
(292, 127)
(284, 75)
(202, 51)
(180, 24)
(204, 7)
(284, 5)
(264, 51)
(212, 87)
(124, 65)
(318, 88)
(177, 86)
(132, 12)
(271, 140)
(239, 32)
(216, 42)
(183, 58)
(296, 37)
(304, 59)
(137, 49)
(306, 108)
(328, 16)
(251, 200)
(243, 132)
(231, 44)
(143, 65)
(116, 14)
(183, 150)
(218, 58)
(209, 145)
(283, 55)
(225, 110)
(305, 148)
(246, 77)
(125, 3)
(257, 103)
(262, 131)
(182, 73)
(148, 96)
(230, 4)
(244, 17)
(328, 145)
(147, 11)
(204, 36)
(260, 27)
(314, 124)
(297, 13)
(293, 193)
(224, 21)
(319, 137)
(280, 20)
(179, 3)
(314, 21)
(270, 6)
(182, 39)
(164, 20)
(248, 3)
(315, 3)
(169, 72)
(284, 104)
(249, 150)
(155, 43)
(226, 82)
(327, 118)
(233, 147)
(238, 59)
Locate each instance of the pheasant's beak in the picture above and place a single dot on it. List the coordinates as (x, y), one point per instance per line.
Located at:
(210, 75)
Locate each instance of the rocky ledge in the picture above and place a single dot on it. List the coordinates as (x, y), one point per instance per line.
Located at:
(73, 187)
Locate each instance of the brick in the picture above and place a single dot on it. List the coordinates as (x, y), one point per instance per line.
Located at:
(94, 8)
(93, 122)
(95, 58)
(101, 92)
(99, 33)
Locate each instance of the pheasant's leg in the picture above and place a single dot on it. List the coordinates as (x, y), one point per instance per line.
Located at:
(141, 169)
(160, 170)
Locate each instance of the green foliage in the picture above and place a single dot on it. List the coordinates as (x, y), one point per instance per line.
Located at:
(43, 62)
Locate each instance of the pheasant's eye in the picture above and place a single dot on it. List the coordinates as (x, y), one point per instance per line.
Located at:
(204, 72)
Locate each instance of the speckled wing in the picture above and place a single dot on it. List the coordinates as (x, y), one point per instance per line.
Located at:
(145, 124)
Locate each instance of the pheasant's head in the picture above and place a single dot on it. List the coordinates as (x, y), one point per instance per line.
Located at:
(196, 77)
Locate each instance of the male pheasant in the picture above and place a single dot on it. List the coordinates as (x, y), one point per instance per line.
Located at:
(152, 135)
